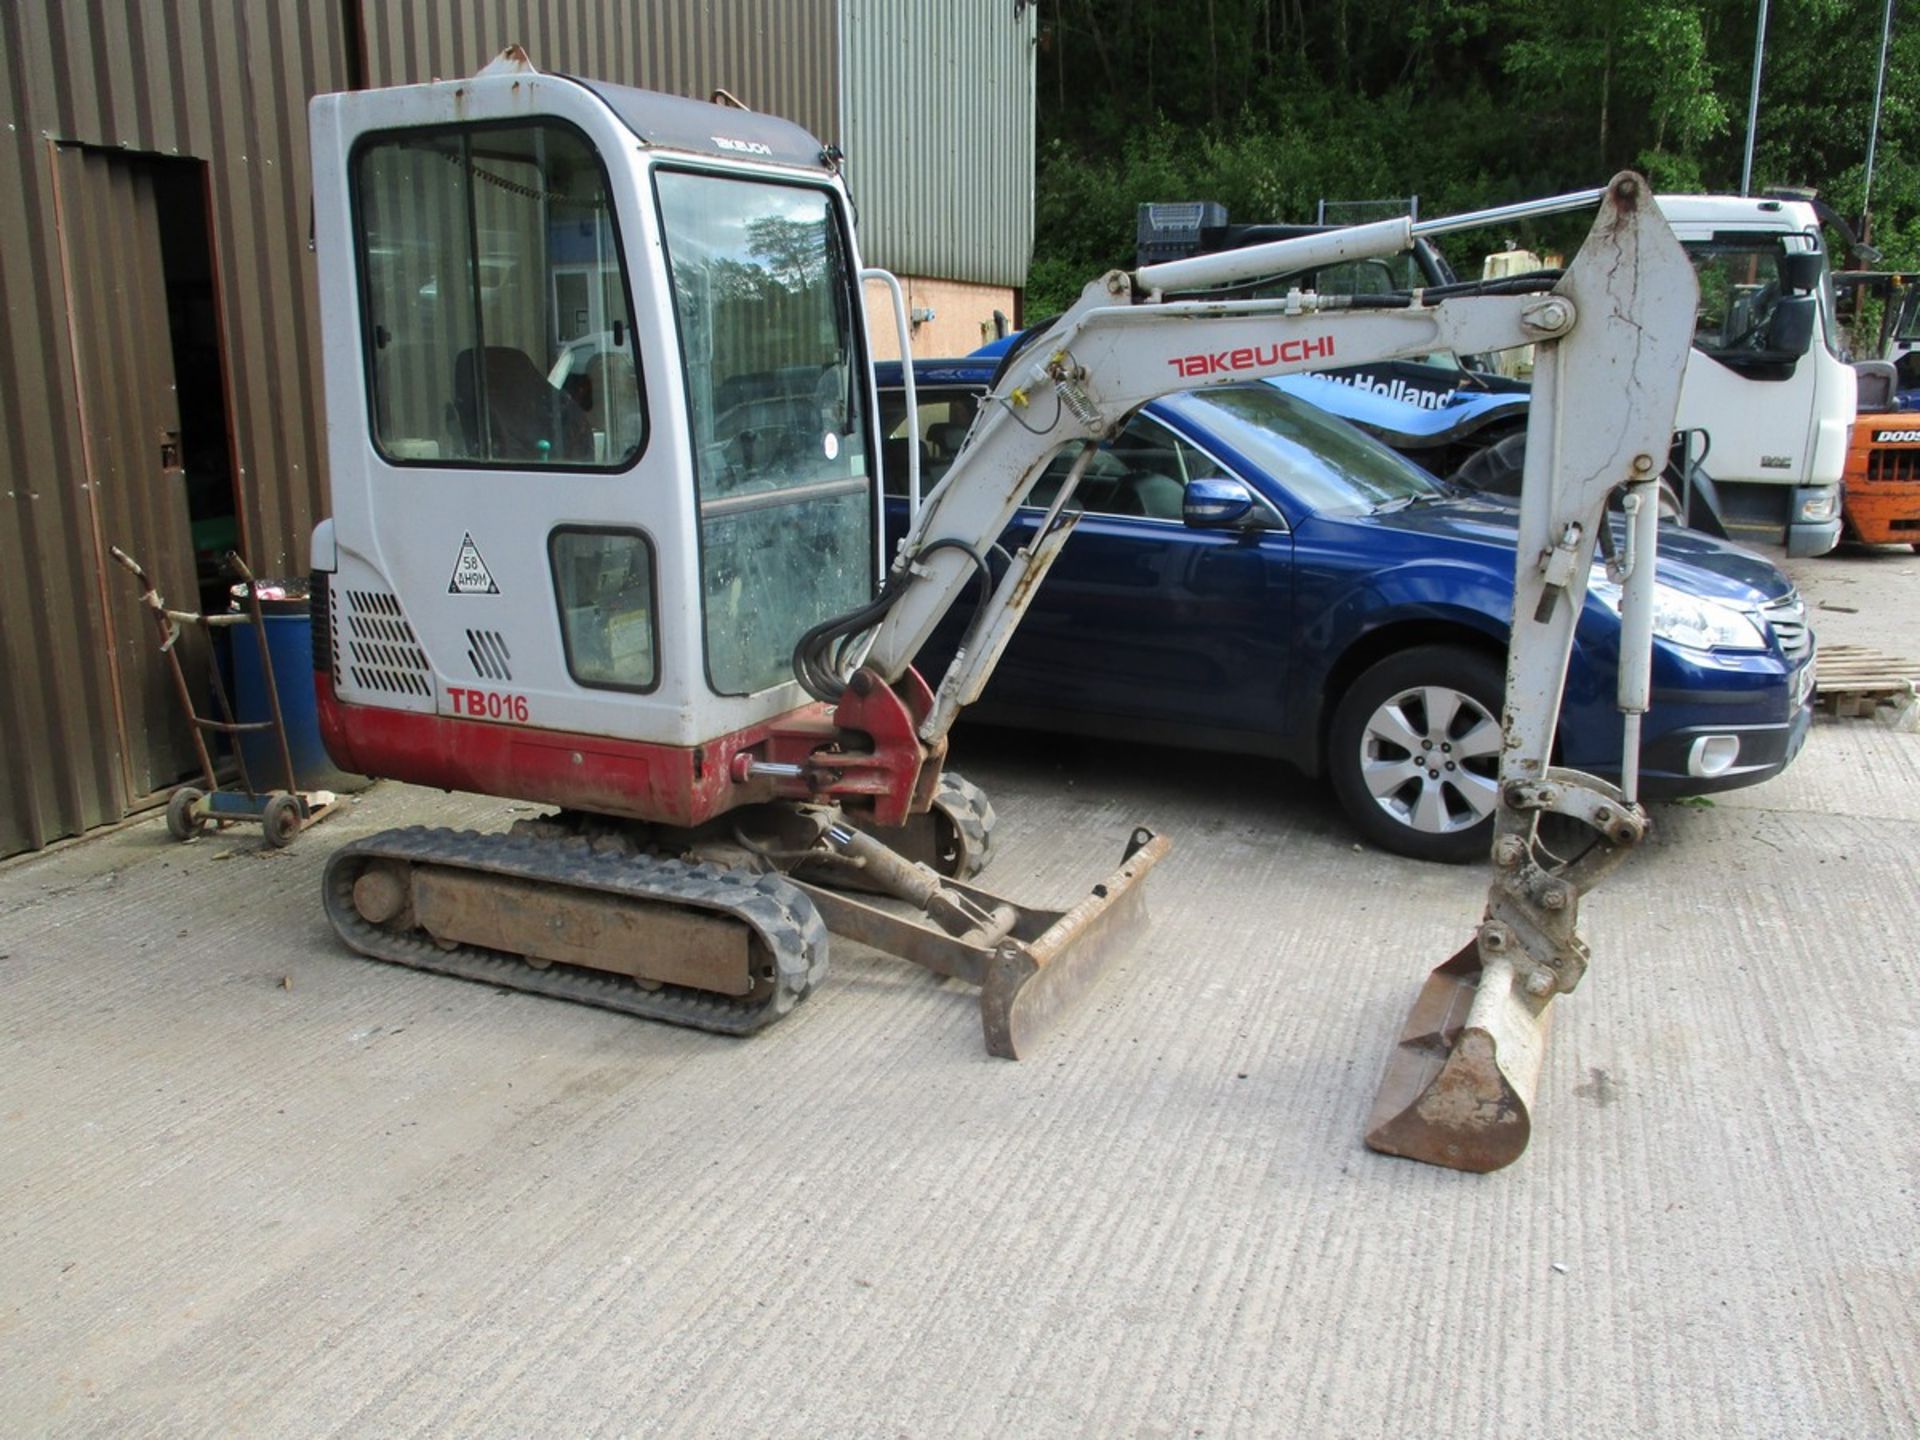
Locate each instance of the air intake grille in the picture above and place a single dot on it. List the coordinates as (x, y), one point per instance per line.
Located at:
(487, 649)
(381, 652)
(1893, 465)
(1788, 619)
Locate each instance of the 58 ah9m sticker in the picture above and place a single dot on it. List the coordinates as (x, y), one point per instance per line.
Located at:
(470, 573)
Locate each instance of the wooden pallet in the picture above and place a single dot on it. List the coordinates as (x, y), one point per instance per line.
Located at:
(1855, 680)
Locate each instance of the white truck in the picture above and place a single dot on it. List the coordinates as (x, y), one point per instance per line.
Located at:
(1764, 379)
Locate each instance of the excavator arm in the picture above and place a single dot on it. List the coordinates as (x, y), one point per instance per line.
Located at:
(1612, 335)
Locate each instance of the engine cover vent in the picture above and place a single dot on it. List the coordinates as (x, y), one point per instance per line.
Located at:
(381, 653)
(487, 649)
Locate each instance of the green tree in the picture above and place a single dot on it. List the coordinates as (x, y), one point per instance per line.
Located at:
(1271, 105)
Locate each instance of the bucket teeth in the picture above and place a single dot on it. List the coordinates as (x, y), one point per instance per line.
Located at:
(1459, 1087)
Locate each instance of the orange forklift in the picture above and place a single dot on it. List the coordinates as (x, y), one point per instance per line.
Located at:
(1882, 478)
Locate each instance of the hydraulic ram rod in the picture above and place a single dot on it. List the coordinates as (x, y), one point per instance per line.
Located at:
(1356, 242)
(1501, 214)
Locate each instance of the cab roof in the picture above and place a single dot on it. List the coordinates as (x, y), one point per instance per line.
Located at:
(673, 122)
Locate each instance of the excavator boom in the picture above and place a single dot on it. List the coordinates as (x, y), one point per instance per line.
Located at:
(1612, 335)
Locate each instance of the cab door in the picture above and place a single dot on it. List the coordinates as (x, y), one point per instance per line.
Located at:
(496, 562)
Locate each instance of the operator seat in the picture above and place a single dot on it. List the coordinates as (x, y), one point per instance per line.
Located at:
(522, 408)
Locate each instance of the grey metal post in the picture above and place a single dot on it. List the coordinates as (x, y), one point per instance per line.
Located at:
(1873, 134)
(1753, 100)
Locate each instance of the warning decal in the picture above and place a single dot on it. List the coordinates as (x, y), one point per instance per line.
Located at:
(470, 573)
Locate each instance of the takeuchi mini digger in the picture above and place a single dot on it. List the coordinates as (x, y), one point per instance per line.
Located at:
(606, 537)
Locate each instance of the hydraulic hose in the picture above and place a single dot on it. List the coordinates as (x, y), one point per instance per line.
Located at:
(822, 655)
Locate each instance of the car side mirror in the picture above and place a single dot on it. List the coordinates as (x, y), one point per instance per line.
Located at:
(1790, 327)
(1213, 502)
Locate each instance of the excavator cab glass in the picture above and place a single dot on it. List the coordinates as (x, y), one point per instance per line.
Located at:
(764, 295)
(490, 268)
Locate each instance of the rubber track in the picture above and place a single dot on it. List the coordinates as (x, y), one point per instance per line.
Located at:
(782, 917)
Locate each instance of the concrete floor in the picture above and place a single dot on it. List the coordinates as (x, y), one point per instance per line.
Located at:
(253, 1185)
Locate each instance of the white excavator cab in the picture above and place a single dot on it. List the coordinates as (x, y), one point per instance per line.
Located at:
(599, 408)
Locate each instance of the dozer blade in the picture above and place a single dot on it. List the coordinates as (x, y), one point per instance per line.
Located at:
(1030, 983)
(1459, 1089)
(1031, 965)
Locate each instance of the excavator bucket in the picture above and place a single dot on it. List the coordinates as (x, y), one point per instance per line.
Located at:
(1459, 1087)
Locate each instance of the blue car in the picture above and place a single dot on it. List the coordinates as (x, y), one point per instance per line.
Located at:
(1353, 623)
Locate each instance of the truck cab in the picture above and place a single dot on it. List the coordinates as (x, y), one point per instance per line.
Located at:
(1765, 379)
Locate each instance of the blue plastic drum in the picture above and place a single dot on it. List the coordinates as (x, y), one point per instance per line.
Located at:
(290, 651)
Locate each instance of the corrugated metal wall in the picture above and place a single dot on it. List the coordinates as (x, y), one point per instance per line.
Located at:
(774, 55)
(59, 755)
(226, 83)
(937, 103)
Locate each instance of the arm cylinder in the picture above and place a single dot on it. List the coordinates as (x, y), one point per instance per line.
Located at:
(1278, 257)
(1636, 627)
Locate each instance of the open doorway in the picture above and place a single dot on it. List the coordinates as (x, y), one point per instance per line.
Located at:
(200, 378)
(149, 390)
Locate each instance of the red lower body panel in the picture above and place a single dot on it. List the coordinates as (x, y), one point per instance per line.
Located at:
(662, 784)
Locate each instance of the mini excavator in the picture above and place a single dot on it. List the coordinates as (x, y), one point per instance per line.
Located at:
(605, 537)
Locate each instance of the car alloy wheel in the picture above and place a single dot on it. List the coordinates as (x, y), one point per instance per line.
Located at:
(1414, 752)
(1431, 759)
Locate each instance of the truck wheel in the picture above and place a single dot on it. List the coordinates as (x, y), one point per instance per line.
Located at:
(1414, 752)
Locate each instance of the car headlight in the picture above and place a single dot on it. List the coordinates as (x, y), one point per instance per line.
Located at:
(1818, 506)
(1689, 621)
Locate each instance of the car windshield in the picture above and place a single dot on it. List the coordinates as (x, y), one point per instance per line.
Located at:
(1327, 464)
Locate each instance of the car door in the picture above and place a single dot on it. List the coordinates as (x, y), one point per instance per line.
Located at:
(1145, 621)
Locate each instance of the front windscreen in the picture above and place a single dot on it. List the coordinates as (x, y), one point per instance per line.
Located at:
(1740, 286)
(767, 308)
(1328, 465)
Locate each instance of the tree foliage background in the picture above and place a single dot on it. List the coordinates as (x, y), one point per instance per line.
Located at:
(1270, 106)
